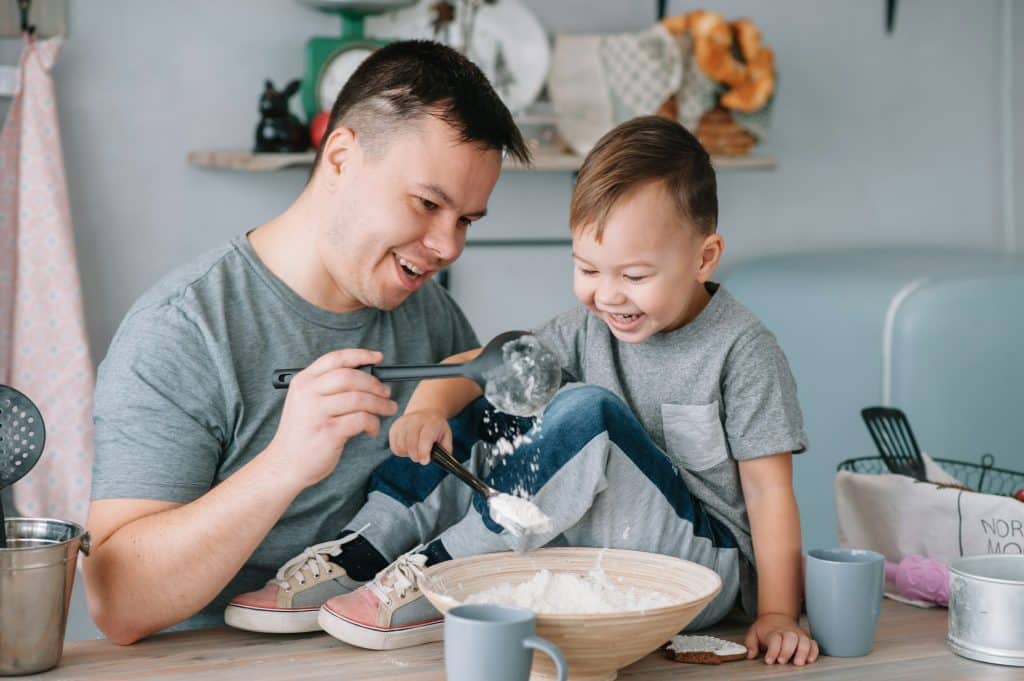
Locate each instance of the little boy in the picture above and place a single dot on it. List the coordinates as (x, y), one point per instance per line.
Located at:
(680, 442)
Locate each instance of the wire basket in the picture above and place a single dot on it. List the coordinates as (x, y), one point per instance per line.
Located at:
(983, 477)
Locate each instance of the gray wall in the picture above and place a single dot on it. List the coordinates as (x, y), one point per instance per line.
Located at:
(881, 139)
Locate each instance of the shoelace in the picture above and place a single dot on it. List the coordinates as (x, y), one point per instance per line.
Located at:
(405, 571)
(312, 557)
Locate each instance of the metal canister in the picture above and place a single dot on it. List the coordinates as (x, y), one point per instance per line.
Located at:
(986, 608)
(37, 572)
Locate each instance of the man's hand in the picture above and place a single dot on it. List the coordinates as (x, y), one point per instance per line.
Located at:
(414, 434)
(328, 402)
(782, 639)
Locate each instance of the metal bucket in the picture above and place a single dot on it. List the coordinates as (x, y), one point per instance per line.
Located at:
(986, 608)
(37, 571)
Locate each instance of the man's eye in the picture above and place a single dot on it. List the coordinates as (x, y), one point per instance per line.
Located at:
(465, 222)
(428, 204)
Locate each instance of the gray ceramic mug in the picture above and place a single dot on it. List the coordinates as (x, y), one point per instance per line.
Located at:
(494, 642)
(843, 589)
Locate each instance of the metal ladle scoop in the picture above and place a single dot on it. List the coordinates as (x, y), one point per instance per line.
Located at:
(22, 436)
(518, 373)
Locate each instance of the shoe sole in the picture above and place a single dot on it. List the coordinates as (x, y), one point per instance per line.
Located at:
(271, 621)
(373, 638)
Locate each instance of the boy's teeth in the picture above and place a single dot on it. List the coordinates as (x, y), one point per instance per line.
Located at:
(409, 266)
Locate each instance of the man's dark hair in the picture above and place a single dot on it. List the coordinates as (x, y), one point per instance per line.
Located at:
(405, 81)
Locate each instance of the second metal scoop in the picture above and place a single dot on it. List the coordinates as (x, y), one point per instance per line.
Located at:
(518, 374)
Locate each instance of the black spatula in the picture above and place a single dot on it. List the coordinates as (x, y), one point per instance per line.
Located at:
(22, 435)
(895, 441)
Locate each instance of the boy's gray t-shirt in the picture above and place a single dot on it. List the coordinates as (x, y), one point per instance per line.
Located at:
(713, 392)
(184, 397)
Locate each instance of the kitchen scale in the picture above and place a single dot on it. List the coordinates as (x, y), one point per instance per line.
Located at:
(331, 60)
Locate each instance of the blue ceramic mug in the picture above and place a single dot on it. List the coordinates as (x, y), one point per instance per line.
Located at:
(843, 590)
(494, 642)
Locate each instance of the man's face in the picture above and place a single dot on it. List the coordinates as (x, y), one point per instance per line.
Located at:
(397, 214)
(647, 273)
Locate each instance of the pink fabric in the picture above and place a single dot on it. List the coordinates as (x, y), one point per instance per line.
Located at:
(43, 348)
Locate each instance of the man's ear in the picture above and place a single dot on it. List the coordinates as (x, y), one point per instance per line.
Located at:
(340, 148)
(711, 250)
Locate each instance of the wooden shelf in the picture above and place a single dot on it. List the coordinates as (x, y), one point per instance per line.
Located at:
(544, 160)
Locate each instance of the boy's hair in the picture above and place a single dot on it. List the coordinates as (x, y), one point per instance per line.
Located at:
(402, 83)
(643, 150)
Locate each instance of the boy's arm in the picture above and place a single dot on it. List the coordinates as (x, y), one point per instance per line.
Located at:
(425, 420)
(447, 395)
(767, 484)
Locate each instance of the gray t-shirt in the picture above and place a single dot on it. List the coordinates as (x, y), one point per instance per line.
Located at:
(184, 397)
(713, 392)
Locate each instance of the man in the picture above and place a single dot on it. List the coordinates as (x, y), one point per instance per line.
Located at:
(206, 478)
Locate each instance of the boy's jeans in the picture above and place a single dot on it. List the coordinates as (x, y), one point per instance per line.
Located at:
(588, 464)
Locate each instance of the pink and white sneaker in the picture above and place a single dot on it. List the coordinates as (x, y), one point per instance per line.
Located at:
(386, 613)
(289, 603)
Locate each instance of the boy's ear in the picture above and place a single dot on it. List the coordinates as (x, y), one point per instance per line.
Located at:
(710, 254)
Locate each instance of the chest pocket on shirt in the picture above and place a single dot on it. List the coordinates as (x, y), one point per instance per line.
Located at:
(694, 435)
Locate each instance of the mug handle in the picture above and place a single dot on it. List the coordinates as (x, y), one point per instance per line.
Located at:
(552, 651)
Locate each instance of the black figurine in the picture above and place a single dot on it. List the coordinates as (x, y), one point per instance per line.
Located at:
(279, 130)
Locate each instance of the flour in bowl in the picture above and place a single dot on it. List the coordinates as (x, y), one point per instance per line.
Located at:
(566, 593)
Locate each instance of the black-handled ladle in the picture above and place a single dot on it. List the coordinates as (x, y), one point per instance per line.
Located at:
(518, 373)
(519, 516)
(22, 436)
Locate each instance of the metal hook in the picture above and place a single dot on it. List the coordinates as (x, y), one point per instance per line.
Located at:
(23, 9)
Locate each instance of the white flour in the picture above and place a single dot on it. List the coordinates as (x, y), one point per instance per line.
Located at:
(566, 593)
(518, 516)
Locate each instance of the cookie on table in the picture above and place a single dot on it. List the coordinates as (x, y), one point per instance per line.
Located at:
(705, 650)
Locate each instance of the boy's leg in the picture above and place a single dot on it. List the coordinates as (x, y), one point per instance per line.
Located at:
(594, 471)
(408, 504)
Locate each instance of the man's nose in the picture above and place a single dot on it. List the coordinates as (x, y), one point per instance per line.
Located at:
(445, 242)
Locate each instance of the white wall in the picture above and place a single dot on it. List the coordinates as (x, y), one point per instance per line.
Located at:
(881, 139)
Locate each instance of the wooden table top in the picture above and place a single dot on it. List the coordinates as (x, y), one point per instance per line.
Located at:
(910, 645)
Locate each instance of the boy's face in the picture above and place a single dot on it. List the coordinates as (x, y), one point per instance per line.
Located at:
(399, 214)
(648, 272)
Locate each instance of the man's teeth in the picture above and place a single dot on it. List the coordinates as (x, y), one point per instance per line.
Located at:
(409, 266)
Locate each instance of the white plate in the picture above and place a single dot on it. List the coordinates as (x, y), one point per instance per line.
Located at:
(506, 28)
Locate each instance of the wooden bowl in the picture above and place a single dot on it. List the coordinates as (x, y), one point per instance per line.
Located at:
(595, 645)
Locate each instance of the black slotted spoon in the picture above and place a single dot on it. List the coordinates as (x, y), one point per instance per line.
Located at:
(895, 441)
(22, 436)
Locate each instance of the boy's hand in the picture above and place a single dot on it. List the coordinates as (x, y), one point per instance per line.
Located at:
(414, 434)
(782, 639)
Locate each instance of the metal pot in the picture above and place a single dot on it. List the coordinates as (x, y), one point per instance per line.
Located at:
(37, 571)
(986, 608)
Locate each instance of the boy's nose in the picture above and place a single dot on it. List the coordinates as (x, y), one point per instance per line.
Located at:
(609, 294)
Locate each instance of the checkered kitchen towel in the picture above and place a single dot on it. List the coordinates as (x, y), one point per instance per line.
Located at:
(599, 81)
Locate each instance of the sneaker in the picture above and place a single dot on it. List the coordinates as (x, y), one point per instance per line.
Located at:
(387, 613)
(289, 603)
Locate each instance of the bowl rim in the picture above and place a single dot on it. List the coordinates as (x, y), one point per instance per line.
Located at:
(573, 617)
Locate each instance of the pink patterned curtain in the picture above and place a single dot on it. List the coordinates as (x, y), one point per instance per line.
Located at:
(44, 352)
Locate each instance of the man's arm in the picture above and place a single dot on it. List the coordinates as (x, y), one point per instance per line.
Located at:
(775, 529)
(155, 563)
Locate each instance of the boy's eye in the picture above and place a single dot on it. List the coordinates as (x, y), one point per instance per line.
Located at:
(428, 204)
(465, 222)
(635, 277)
(587, 273)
